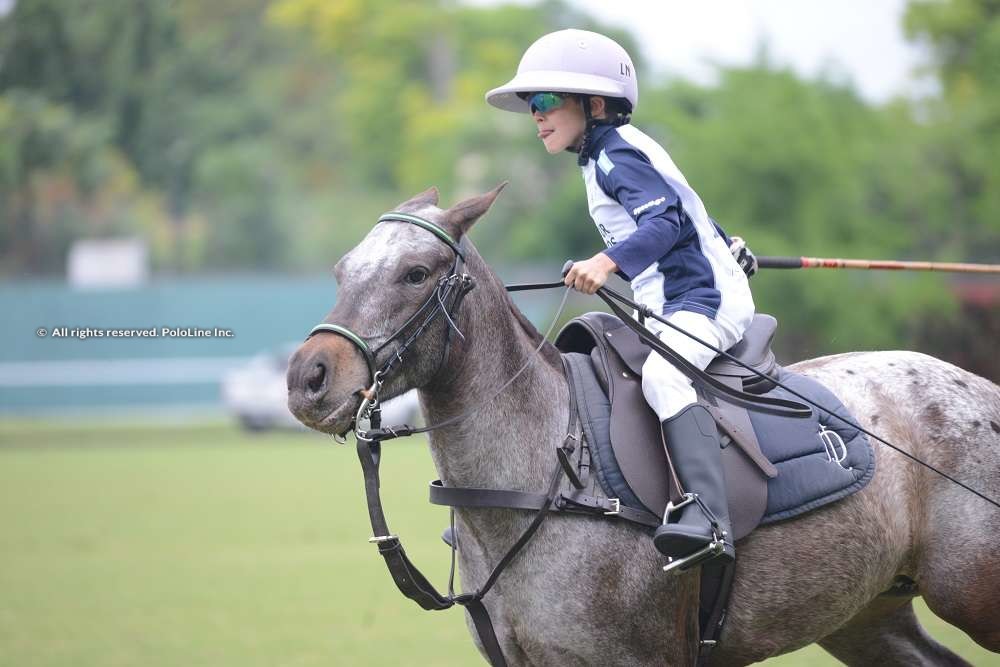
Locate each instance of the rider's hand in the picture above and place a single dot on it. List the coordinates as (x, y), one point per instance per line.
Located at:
(590, 275)
(743, 256)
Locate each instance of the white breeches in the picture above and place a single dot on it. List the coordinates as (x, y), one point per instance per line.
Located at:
(667, 390)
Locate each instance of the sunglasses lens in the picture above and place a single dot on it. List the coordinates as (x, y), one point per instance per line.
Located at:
(546, 102)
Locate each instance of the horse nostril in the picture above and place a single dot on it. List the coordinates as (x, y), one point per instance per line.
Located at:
(317, 378)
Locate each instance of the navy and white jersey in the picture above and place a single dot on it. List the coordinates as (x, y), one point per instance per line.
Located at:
(658, 232)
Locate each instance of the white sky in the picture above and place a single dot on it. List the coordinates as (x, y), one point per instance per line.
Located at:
(858, 39)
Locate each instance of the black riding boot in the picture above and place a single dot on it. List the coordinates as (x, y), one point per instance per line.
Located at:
(693, 442)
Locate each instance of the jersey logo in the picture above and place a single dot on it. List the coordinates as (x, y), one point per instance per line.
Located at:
(605, 163)
(648, 205)
(606, 236)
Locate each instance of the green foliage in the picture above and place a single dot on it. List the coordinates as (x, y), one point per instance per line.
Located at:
(165, 94)
(59, 175)
(269, 134)
(963, 38)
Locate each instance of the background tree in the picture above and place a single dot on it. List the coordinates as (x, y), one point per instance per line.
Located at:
(962, 39)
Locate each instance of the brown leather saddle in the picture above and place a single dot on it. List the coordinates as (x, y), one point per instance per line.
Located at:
(617, 356)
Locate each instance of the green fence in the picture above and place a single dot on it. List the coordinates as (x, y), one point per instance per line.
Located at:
(92, 356)
(95, 358)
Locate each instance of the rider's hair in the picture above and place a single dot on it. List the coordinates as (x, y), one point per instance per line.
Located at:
(619, 109)
(617, 112)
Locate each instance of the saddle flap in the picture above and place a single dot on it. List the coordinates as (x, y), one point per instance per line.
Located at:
(636, 438)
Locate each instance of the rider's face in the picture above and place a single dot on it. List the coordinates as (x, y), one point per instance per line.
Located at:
(562, 127)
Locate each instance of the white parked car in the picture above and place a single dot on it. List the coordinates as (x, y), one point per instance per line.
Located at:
(256, 394)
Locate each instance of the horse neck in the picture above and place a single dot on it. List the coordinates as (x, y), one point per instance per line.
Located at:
(509, 441)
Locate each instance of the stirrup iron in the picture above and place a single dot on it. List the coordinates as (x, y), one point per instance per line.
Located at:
(707, 552)
(671, 508)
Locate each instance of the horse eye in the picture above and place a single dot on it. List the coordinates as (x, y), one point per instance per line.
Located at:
(417, 276)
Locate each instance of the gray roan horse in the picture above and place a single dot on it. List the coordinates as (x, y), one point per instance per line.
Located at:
(589, 591)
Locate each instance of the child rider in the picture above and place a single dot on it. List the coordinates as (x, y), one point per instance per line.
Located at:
(580, 88)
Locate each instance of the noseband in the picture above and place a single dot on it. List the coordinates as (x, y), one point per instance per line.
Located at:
(453, 287)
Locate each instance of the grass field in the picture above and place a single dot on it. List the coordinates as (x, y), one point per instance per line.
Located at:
(203, 546)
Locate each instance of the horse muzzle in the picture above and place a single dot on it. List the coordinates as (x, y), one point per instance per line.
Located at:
(325, 376)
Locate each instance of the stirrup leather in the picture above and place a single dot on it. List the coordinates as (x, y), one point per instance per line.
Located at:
(709, 551)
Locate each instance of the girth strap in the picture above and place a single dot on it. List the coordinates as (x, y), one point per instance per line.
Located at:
(716, 585)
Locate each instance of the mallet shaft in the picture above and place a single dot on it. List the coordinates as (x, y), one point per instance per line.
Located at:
(872, 264)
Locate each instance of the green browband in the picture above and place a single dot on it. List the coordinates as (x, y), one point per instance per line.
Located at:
(433, 228)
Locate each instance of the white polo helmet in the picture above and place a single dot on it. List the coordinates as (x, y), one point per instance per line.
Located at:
(570, 61)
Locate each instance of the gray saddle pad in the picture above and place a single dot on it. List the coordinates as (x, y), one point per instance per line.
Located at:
(819, 459)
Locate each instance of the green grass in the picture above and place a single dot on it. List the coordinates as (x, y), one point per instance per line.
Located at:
(203, 546)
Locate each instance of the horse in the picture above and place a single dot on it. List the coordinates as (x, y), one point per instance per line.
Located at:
(591, 591)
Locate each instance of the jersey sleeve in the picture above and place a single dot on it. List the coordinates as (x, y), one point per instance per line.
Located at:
(627, 176)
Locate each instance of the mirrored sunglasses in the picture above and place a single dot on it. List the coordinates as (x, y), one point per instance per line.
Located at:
(546, 102)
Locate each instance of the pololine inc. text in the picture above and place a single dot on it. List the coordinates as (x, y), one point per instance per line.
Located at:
(83, 333)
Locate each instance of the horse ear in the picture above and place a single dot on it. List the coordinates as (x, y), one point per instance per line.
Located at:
(428, 196)
(464, 214)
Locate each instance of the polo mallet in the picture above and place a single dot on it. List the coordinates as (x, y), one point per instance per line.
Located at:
(872, 264)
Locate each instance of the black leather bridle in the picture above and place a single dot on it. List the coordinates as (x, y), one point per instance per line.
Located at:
(444, 300)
